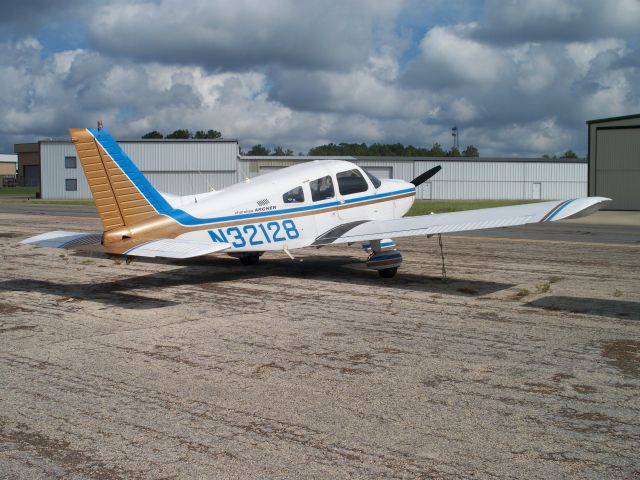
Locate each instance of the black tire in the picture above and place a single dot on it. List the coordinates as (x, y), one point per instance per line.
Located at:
(250, 259)
(388, 272)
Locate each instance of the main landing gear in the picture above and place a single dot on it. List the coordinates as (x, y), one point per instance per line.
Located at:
(383, 257)
(388, 272)
(251, 258)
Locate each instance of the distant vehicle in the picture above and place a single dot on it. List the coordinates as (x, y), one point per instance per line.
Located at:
(318, 203)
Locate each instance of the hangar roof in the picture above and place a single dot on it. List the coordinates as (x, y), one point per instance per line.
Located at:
(613, 119)
(297, 158)
(152, 140)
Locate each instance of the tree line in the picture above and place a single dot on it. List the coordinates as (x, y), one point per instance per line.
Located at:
(567, 154)
(330, 149)
(341, 149)
(184, 134)
(391, 150)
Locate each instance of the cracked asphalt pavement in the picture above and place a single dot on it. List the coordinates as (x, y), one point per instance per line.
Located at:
(524, 364)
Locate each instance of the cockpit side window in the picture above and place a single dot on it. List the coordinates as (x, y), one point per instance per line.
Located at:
(295, 195)
(375, 180)
(321, 189)
(350, 182)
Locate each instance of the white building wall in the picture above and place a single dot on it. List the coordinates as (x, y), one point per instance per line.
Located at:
(183, 168)
(167, 156)
(402, 169)
(54, 173)
(477, 180)
(185, 183)
(180, 168)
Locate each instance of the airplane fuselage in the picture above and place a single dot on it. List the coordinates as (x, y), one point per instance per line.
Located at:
(291, 207)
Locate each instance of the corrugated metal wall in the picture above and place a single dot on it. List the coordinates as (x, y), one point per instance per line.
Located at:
(477, 180)
(402, 169)
(467, 180)
(185, 183)
(180, 168)
(194, 167)
(179, 156)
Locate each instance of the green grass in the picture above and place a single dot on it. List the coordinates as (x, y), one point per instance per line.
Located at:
(425, 207)
(18, 191)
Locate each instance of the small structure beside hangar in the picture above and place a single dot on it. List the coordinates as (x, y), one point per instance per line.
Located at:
(614, 161)
(28, 164)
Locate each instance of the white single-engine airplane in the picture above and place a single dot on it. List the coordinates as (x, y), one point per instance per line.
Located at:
(317, 203)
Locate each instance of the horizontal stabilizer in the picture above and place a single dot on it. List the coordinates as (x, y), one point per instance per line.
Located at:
(63, 239)
(167, 247)
(176, 248)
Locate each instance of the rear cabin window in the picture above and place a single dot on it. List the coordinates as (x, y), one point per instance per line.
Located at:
(295, 195)
(350, 182)
(321, 189)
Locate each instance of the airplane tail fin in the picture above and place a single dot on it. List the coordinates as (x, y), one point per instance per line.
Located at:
(122, 194)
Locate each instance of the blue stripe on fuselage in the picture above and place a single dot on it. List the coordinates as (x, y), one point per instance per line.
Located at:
(163, 208)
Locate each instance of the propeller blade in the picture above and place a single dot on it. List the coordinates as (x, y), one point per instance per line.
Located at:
(426, 175)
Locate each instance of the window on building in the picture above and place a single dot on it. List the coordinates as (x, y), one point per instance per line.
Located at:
(295, 195)
(350, 182)
(321, 189)
(69, 162)
(71, 184)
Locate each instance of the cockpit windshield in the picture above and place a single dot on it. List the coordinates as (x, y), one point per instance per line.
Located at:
(375, 180)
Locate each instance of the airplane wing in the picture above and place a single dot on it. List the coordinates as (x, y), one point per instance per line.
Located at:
(462, 221)
(168, 247)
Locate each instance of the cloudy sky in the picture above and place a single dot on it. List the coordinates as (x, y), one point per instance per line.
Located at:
(517, 77)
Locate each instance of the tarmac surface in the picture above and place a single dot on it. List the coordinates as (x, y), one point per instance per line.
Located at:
(524, 364)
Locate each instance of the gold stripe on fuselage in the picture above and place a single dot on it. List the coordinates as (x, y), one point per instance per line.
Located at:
(282, 216)
(166, 227)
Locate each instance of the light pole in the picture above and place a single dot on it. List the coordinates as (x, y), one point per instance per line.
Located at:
(456, 138)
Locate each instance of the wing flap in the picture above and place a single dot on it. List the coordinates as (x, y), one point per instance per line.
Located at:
(468, 220)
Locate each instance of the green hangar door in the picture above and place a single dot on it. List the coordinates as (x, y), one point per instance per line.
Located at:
(617, 166)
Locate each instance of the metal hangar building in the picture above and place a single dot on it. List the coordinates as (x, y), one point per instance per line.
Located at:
(462, 178)
(173, 166)
(183, 167)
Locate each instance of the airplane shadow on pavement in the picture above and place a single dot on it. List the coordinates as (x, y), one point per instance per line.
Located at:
(211, 270)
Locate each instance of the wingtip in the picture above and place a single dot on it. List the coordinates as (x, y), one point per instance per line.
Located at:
(581, 207)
